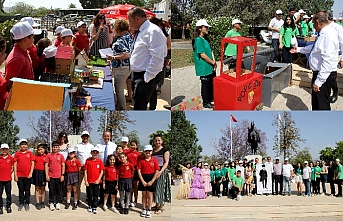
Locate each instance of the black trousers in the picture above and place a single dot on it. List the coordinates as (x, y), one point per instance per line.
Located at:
(7, 185)
(287, 56)
(234, 192)
(339, 185)
(153, 98)
(321, 99)
(334, 83)
(24, 186)
(214, 188)
(316, 186)
(332, 187)
(254, 191)
(54, 190)
(225, 187)
(277, 183)
(142, 92)
(93, 194)
(207, 88)
(218, 186)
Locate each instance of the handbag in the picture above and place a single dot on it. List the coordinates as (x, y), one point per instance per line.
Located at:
(294, 42)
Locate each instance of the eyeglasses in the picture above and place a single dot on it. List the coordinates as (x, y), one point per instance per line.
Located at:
(206, 27)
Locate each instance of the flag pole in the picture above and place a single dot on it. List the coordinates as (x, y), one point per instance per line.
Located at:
(278, 133)
(230, 138)
(50, 130)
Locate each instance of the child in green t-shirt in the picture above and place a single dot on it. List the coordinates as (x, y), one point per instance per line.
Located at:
(237, 183)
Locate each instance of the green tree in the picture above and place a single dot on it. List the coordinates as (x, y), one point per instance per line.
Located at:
(133, 135)
(23, 9)
(184, 140)
(330, 153)
(40, 12)
(287, 136)
(89, 4)
(150, 3)
(210, 159)
(139, 3)
(9, 130)
(115, 122)
(5, 33)
(301, 156)
(185, 9)
(71, 5)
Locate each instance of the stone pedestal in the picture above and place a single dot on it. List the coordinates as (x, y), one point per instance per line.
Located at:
(74, 139)
(252, 157)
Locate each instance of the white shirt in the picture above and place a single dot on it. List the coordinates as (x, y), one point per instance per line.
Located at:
(111, 148)
(83, 152)
(275, 23)
(339, 30)
(271, 166)
(149, 50)
(306, 172)
(324, 55)
(286, 170)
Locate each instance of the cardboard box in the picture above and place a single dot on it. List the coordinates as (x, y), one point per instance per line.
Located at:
(65, 60)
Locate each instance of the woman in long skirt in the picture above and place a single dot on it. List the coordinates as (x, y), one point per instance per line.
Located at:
(197, 187)
(206, 177)
(184, 188)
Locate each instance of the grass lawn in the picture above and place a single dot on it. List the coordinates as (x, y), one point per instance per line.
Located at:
(182, 58)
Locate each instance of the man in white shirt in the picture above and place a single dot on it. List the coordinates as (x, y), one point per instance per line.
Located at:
(307, 179)
(83, 152)
(323, 61)
(287, 172)
(148, 51)
(274, 26)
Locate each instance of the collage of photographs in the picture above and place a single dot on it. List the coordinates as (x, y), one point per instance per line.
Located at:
(171, 110)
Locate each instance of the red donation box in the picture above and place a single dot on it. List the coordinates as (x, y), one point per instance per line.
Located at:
(237, 88)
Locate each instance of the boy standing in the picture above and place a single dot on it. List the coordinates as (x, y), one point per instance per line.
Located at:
(67, 36)
(54, 170)
(237, 183)
(6, 168)
(58, 40)
(81, 40)
(23, 169)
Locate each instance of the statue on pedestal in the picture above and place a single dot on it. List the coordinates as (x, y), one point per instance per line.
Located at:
(253, 138)
(76, 117)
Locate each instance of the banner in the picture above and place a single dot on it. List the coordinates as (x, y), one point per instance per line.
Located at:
(264, 183)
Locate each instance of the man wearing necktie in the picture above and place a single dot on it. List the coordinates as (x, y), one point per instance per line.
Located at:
(323, 61)
(147, 57)
(106, 148)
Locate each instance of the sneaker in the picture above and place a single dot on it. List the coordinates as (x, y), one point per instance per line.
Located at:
(21, 206)
(133, 204)
(67, 206)
(8, 210)
(1, 210)
(52, 207)
(104, 207)
(27, 207)
(38, 206)
(126, 211)
(58, 206)
(113, 209)
(89, 209)
(95, 211)
(75, 206)
(143, 213)
(42, 205)
(148, 214)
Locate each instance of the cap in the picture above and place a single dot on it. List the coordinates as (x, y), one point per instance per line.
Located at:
(226, 162)
(335, 19)
(202, 22)
(22, 140)
(5, 146)
(337, 160)
(205, 164)
(71, 150)
(147, 147)
(21, 30)
(236, 21)
(95, 149)
(50, 51)
(306, 162)
(67, 32)
(286, 159)
(302, 11)
(59, 29)
(278, 12)
(85, 133)
(28, 19)
(125, 139)
(277, 158)
(305, 16)
(340, 18)
(80, 24)
(55, 143)
(240, 161)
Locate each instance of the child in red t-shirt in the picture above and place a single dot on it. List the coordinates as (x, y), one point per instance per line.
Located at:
(147, 171)
(39, 179)
(133, 157)
(54, 171)
(73, 167)
(126, 170)
(6, 168)
(58, 40)
(94, 170)
(110, 183)
(81, 40)
(23, 169)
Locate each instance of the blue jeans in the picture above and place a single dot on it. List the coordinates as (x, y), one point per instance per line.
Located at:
(288, 181)
(276, 53)
(324, 178)
(307, 187)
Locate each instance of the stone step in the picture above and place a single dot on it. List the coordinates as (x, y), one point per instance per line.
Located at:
(307, 84)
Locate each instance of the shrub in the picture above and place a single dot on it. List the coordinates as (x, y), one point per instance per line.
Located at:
(5, 28)
(219, 27)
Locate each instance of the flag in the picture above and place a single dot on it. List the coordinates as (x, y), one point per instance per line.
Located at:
(279, 118)
(232, 118)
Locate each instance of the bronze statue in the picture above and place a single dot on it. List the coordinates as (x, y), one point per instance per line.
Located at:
(253, 138)
(76, 117)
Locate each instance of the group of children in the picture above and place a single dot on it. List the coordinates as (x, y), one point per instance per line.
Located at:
(41, 168)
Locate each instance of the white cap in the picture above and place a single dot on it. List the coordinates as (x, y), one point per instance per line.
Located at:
(67, 32)
(22, 140)
(125, 139)
(147, 147)
(305, 16)
(286, 159)
(226, 162)
(71, 150)
(277, 158)
(335, 19)
(278, 12)
(21, 30)
(340, 18)
(306, 162)
(80, 24)
(241, 161)
(5, 146)
(301, 11)
(95, 148)
(28, 19)
(236, 21)
(84, 133)
(337, 160)
(50, 51)
(205, 164)
(202, 22)
(59, 29)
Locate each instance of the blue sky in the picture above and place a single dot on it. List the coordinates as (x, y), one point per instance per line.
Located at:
(337, 8)
(320, 129)
(146, 123)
